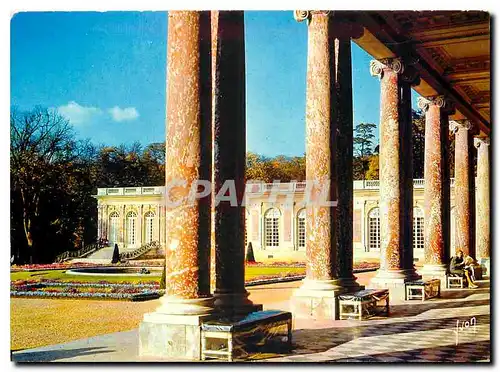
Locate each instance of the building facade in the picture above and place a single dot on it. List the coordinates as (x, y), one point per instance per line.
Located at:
(275, 219)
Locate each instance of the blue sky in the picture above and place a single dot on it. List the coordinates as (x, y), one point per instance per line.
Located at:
(106, 73)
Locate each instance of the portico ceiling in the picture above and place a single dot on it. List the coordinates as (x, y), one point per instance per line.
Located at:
(452, 49)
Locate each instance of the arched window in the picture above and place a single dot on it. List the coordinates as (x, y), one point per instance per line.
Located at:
(374, 229)
(114, 218)
(301, 229)
(271, 227)
(131, 228)
(149, 222)
(418, 228)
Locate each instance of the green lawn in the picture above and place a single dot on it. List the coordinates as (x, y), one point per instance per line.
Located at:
(60, 275)
(251, 272)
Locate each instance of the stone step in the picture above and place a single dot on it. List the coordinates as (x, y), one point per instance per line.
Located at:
(107, 253)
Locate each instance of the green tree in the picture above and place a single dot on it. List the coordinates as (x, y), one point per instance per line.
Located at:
(363, 148)
(372, 172)
(116, 255)
(418, 138)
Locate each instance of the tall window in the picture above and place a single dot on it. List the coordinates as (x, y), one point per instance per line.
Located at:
(247, 213)
(374, 229)
(301, 229)
(149, 219)
(131, 227)
(418, 228)
(271, 227)
(113, 228)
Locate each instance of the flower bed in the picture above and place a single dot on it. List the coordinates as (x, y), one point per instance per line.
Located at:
(357, 265)
(276, 264)
(143, 290)
(76, 265)
(119, 291)
(100, 284)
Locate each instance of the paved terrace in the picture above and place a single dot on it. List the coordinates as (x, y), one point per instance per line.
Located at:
(415, 332)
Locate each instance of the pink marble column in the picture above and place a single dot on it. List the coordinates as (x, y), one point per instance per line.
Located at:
(464, 187)
(344, 30)
(320, 149)
(483, 198)
(214, 22)
(188, 145)
(437, 186)
(229, 158)
(396, 179)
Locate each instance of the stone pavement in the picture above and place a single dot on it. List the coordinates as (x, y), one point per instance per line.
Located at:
(415, 332)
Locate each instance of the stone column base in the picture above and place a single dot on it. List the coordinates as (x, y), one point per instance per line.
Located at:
(485, 264)
(316, 300)
(230, 304)
(350, 284)
(435, 272)
(171, 336)
(394, 280)
(173, 330)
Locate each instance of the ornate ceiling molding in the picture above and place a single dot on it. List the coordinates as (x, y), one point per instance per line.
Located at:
(425, 20)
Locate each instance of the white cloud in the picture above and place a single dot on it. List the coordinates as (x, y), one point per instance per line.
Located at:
(76, 113)
(119, 114)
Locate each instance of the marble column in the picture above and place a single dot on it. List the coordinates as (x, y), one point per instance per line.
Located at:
(437, 187)
(344, 30)
(464, 187)
(229, 159)
(174, 329)
(214, 21)
(396, 178)
(483, 202)
(328, 159)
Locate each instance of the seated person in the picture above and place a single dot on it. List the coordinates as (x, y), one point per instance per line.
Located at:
(469, 264)
(457, 267)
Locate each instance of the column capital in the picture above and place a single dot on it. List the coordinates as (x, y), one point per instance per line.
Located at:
(442, 102)
(455, 125)
(305, 15)
(345, 26)
(400, 66)
(481, 141)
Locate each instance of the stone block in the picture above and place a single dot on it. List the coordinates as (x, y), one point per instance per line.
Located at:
(395, 285)
(315, 304)
(485, 264)
(171, 336)
(434, 272)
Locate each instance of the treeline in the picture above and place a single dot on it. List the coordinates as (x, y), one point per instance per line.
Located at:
(53, 178)
(54, 175)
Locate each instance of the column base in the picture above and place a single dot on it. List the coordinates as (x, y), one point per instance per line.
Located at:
(350, 284)
(394, 280)
(485, 264)
(173, 330)
(435, 272)
(178, 306)
(230, 304)
(317, 299)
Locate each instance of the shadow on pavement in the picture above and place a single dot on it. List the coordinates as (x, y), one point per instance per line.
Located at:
(53, 355)
(461, 353)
